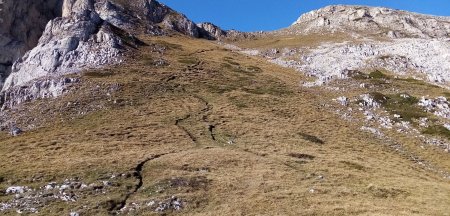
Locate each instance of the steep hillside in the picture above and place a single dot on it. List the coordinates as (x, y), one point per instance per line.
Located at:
(134, 114)
(190, 127)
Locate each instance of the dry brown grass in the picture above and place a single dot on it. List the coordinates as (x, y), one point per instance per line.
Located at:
(291, 41)
(264, 112)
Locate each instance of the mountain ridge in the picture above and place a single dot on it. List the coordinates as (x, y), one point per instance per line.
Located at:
(390, 22)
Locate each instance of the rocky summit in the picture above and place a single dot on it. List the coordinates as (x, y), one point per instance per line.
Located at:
(113, 107)
(374, 20)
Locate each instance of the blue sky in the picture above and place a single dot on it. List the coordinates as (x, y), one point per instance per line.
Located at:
(256, 15)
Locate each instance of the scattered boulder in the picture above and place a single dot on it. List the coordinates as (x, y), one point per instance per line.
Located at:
(16, 190)
(438, 106)
(173, 203)
(368, 101)
(372, 130)
(344, 101)
(15, 131)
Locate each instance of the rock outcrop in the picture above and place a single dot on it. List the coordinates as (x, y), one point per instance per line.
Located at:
(404, 43)
(22, 23)
(80, 34)
(211, 31)
(77, 40)
(372, 20)
(421, 58)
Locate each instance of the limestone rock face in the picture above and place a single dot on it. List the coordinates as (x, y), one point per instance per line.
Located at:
(211, 31)
(41, 88)
(79, 34)
(373, 20)
(22, 23)
(68, 44)
(425, 59)
(159, 13)
(148, 16)
(404, 43)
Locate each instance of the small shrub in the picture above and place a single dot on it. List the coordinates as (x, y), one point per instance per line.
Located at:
(311, 138)
(406, 107)
(379, 97)
(377, 75)
(302, 156)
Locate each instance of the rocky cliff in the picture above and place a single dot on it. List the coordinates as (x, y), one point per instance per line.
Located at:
(54, 38)
(22, 24)
(372, 20)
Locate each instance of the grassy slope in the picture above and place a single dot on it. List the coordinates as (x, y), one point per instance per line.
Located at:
(270, 168)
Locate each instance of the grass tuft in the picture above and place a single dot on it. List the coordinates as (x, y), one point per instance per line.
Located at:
(311, 138)
(378, 75)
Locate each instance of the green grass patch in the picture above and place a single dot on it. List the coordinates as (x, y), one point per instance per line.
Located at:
(376, 77)
(401, 104)
(377, 74)
(438, 130)
(404, 105)
(417, 82)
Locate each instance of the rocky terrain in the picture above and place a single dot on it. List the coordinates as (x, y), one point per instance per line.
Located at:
(367, 56)
(113, 107)
(80, 34)
(377, 21)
